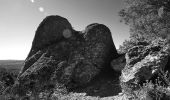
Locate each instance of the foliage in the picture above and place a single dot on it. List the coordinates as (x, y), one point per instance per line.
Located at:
(148, 19)
(127, 44)
(158, 89)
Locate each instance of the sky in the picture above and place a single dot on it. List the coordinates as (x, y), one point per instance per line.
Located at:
(19, 20)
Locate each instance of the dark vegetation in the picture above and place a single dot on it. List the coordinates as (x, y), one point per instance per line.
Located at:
(9, 70)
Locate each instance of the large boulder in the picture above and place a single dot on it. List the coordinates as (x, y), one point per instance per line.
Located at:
(60, 54)
(143, 62)
(50, 31)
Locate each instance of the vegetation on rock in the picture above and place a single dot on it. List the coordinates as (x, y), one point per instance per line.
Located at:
(144, 77)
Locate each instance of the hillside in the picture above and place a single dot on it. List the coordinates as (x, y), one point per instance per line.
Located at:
(12, 66)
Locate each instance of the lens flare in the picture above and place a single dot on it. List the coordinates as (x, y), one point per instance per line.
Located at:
(41, 9)
(32, 1)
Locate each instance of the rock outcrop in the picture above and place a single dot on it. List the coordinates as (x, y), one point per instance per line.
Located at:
(60, 54)
(50, 31)
(143, 62)
(66, 61)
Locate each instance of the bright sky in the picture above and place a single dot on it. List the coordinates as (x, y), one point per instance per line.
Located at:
(20, 18)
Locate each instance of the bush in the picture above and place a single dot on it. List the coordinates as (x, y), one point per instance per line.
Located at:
(157, 90)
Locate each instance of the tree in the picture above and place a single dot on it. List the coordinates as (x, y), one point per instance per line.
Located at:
(127, 44)
(148, 19)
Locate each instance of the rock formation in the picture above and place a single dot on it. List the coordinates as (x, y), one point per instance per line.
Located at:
(143, 62)
(64, 60)
(50, 31)
(59, 54)
(119, 63)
